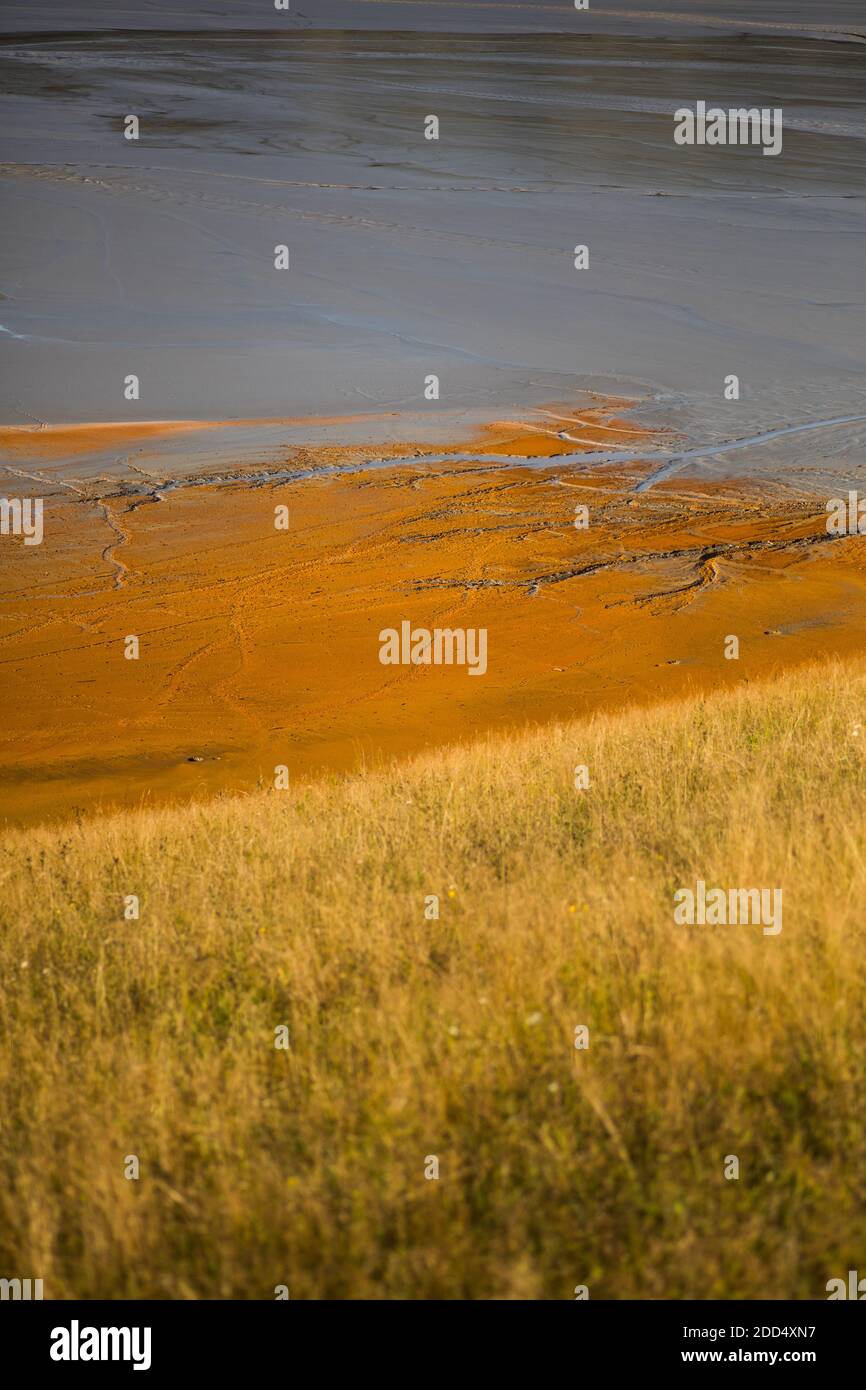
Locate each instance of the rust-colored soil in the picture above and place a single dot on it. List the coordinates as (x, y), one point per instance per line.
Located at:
(260, 647)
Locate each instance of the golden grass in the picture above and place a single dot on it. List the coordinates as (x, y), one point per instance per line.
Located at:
(454, 1037)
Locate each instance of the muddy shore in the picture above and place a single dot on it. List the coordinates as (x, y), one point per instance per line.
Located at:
(259, 646)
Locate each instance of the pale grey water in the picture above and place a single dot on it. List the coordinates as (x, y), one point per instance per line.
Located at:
(453, 257)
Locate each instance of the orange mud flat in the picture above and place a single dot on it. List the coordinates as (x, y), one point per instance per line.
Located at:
(50, 442)
(259, 647)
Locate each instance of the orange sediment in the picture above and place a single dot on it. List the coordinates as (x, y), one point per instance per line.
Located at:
(260, 647)
(63, 441)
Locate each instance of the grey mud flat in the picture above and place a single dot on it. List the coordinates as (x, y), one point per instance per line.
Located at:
(454, 257)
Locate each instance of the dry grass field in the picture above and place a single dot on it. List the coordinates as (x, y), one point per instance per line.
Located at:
(413, 1037)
